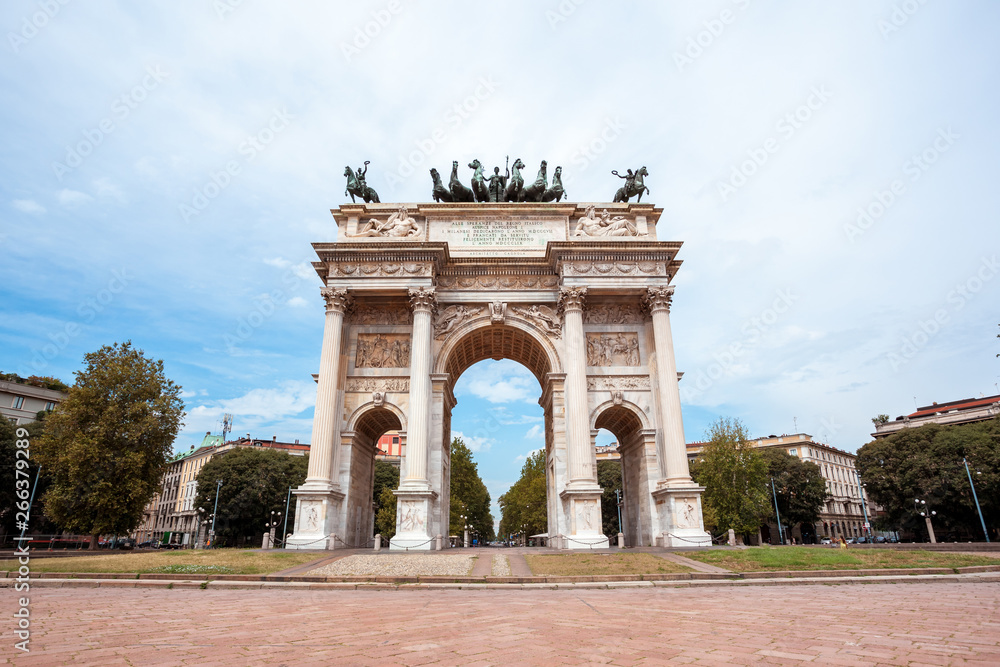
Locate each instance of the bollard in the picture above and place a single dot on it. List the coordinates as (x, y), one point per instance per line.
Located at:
(621, 540)
(732, 537)
(378, 541)
(437, 542)
(266, 542)
(331, 542)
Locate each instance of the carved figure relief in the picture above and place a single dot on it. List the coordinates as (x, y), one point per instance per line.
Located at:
(382, 351)
(398, 225)
(543, 316)
(379, 269)
(618, 382)
(687, 510)
(311, 512)
(498, 312)
(613, 314)
(380, 385)
(451, 317)
(497, 282)
(380, 315)
(413, 516)
(604, 225)
(378, 398)
(612, 349)
(585, 515)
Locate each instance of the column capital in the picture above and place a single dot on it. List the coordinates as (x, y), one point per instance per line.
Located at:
(658, 298)
(572, 298)
(337, 300)
(422, 298)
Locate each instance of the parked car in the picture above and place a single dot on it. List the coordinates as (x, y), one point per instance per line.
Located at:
(826, 540)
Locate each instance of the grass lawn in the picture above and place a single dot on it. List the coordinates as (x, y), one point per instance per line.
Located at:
(589, 564)
(187, 561)
(757, 559)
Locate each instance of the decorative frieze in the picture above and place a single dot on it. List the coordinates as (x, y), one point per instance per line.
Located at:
(585, 268)
(613, 314)
(379, 269)
(383, 315)
(513, 282)
(618, 383)
(620, 349)
(382, 351)
(542, 316)
(382, 385)
(452, 316)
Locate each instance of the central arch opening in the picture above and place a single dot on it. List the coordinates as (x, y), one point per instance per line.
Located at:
(496, 376)
(626, 427)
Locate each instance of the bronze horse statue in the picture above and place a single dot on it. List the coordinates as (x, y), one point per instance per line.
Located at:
(535, 191)
(479, 189)
(458, 191)
(556, 192)
(632, 187)
(439, 193)
(513, 191)
(358, 187)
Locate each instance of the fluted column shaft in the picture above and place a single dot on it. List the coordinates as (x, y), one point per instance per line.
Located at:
(418, 419)
(658, 301)
(324, 447)
(578, 447)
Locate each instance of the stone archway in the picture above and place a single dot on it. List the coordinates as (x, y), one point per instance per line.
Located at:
(637, 452)
(586, 313)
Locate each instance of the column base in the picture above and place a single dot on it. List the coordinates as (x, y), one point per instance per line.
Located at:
(680, 517)
(583, 509)
(413, 509)
(316, 515)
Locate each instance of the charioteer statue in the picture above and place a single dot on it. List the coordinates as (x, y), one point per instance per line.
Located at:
(356, 185)
(633, 185)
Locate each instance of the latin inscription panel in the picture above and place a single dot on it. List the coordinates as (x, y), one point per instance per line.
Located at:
(496, 236)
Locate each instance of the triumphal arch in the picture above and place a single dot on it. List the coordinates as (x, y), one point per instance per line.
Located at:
(579, 294)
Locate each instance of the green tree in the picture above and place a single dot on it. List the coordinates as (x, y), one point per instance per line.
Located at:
(926, 463)
(106, 447)
(609, 476)
(386, 477)
(799, 486)
(468, 492)
(385, 518)
(255, 483)
(16, 488)
(523, 507)
(735, 477)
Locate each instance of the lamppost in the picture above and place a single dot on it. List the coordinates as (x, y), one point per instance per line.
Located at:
(976, 498)
(211, 533)
(465, 529)
(864, 506)
(272, 525)
(781, 535)
(921, 507)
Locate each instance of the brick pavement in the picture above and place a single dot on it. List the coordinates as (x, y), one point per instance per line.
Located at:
(875, 624)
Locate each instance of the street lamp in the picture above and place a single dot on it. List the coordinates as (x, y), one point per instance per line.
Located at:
(211, 533)
(864, 506)
(921, 507)
(976, 498)
(272, 525)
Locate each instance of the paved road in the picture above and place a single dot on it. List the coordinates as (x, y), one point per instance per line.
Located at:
(873, 624)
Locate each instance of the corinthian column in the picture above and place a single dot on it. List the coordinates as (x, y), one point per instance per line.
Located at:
(578, 449)
(657, 300)
(418, 423)
(323, 452)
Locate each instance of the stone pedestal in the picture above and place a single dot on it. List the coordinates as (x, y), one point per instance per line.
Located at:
(681, 523)
(315, 514)
(413, 511)
(583, 509)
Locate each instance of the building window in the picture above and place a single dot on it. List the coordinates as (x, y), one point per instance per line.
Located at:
(395, 439)
(792, 452)
(51, 405)
(18, 402)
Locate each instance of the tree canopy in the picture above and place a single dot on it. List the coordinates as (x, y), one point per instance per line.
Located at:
(469, 495)
(799, 486)
(255, 482)
(523, 506)
(609, 477)
(105, 447)
(386, 480)
(926, 463)
(734, 475)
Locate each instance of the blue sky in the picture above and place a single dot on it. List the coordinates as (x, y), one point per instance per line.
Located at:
(830, 168)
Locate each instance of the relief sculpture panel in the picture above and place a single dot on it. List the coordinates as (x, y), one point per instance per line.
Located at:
(383, 351)
(612, 349)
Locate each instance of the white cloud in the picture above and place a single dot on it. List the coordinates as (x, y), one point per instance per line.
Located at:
(536, 432)
(28, 206)
(499, 382)
(105, 187)
(277, 262)
(297, 302)
(256, 409)
(524, 457)
(73, 198)
(476, 443)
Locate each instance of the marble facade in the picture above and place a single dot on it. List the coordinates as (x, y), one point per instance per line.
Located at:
(587, 313)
